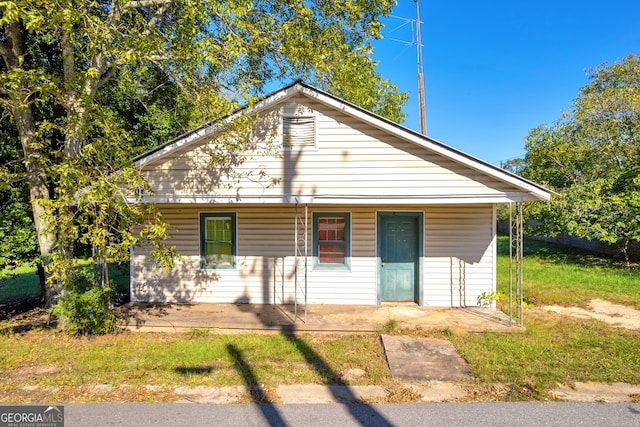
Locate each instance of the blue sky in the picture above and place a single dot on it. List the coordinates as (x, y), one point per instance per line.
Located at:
(496, 69)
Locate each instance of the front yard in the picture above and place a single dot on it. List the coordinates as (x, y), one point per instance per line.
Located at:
(38, 363)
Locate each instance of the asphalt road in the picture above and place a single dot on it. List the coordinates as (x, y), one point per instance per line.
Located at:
(519, 414)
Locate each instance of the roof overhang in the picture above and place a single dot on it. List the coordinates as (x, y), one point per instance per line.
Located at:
(339, 199)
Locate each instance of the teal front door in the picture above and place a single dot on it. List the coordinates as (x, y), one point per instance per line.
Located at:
(398, 255)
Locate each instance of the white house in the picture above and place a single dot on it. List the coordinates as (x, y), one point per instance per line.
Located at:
(324, 203)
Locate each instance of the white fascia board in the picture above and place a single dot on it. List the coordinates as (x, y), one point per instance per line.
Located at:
(429, 143)
(339, 200)
(176, 145)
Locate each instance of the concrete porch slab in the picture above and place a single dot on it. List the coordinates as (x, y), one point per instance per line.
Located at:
(238, 318)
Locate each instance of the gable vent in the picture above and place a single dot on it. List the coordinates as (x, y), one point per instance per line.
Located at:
(299, 131)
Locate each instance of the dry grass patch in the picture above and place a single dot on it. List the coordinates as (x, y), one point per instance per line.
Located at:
(398, 392)
(123, 393)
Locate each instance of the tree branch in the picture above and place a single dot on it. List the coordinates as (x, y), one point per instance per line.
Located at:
(106, 76)
(114, 12)
(147, 3)
(11, 48)
(156, 17)
(68, 63)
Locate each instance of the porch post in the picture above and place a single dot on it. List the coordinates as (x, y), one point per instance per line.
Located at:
(516, 243)
(301, 245)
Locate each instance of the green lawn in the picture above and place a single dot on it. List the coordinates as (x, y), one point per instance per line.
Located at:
(22, 282)
(557, 274)
(18, 283)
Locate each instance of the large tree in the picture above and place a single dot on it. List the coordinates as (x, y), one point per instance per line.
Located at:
(69, 66)
(591, 156)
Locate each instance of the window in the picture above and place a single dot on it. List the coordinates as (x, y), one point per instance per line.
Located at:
(299, 131)
(217, 240)
(331, 240)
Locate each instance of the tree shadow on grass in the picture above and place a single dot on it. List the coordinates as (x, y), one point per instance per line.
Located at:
(194, 370)
(363, 413)
(256, 392)
(23, 316)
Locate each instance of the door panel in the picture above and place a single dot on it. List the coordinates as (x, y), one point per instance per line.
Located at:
(398, 252)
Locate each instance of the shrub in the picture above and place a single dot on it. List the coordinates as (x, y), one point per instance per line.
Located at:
(84, 307)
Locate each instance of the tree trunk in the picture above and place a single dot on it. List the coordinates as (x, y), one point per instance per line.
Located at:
(13, 51)
(42, 278)
(38, 189)
(625, 252)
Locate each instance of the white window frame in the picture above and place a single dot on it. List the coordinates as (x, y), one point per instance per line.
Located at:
(204, 216)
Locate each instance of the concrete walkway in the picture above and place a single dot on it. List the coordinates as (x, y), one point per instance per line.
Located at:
(146, 317)
(420, 360)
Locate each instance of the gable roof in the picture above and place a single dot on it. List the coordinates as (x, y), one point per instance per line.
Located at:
(535, 191)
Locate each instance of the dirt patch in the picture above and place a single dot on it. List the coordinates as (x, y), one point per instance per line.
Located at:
(35, 371)
(597, 392)
(614, 314)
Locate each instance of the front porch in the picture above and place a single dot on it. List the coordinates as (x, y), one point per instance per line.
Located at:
(268, 318)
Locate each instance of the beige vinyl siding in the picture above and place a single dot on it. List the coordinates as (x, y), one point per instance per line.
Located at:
(459, 254)
(265, 261)
(265, 257)
(351, 159)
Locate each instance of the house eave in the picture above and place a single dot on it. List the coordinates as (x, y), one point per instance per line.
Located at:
(339, 199)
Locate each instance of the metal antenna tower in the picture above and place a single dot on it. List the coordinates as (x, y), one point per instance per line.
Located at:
(423, 112)
(416, 41)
